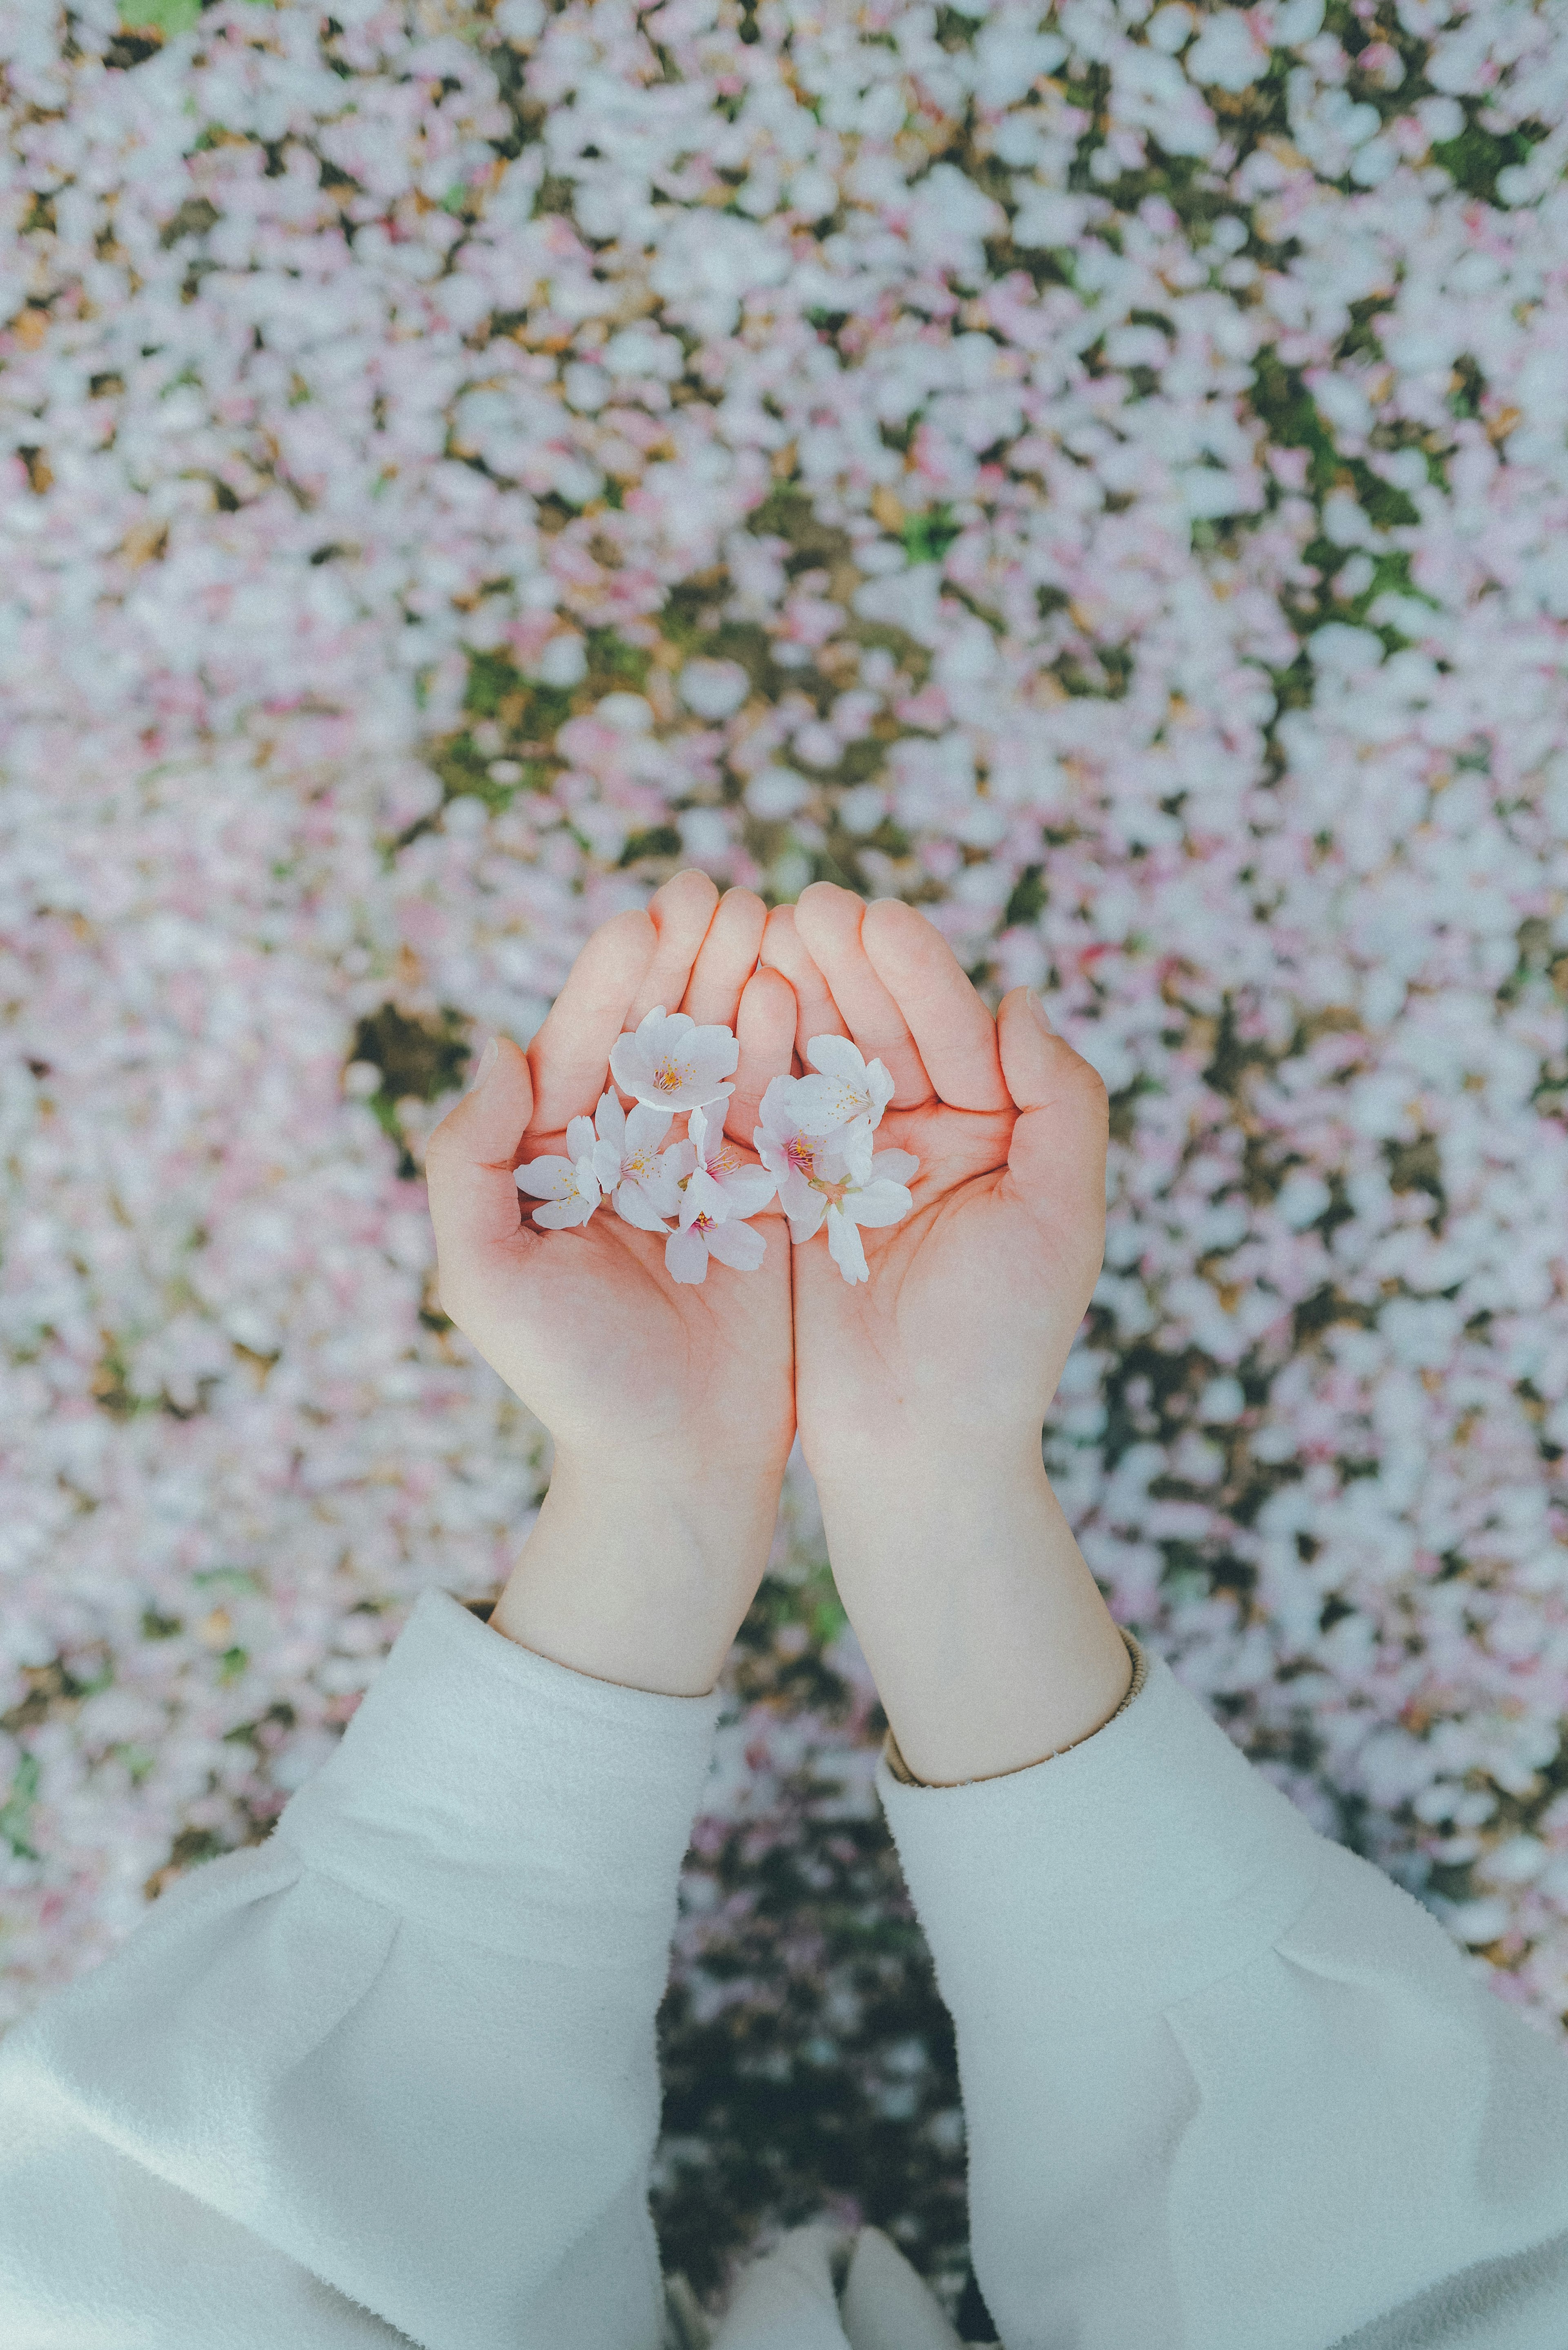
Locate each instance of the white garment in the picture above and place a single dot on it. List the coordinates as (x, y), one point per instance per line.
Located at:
(391, 2075)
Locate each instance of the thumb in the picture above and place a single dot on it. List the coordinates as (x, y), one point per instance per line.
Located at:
(474, 1200)
(1057, 1161)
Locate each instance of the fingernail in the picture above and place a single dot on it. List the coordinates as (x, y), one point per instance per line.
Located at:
(1035, 1006)
(487, 1061)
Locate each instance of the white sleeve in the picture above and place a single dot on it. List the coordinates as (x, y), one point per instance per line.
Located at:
(392, 2074)
(1225, 2082)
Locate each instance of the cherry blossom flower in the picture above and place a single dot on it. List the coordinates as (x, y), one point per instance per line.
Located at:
(700, 1235)
(669, 1063)
(713, 1176)
(570, 1185)
(854, 1189)
(637, 1177)
(850, 1093)
(788, 1151)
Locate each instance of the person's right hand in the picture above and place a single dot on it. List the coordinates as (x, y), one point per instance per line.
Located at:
(671, 1405)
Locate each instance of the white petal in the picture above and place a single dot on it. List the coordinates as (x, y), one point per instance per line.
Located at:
(703, 1139)
(702, 1197)
(740, 1245)
(550, 1178)
(633, 1206)
(560, 1213)
(879, 1084)
(581, 1137)
(837, 1057)
(895, 1166)
(845, 1247)
(855, 1146)
(610, 1122)
(747, 1189)
(678, 1160)
(807, 1221)
(644, 1127)
(632, 1068)
(661, 1184)
(821, 1106)
(686, 1256)
(778, 1109)
(795, 1197)
(878, 1203)
(607, 1164)
(658, 1029)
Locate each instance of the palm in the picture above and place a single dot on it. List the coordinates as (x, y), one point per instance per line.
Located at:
(592, 1332)
(973, 1302)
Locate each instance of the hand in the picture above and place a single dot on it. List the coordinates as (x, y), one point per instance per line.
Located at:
(920, 1393)
(671, 1405)
(959, 1338)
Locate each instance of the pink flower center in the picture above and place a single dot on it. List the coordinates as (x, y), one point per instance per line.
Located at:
(668, 1077)
(800, 1154)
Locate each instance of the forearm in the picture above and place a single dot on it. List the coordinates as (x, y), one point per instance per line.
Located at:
(639, 1578)
(983, 1628)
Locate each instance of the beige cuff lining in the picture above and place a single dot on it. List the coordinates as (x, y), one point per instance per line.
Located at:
(901, 1769)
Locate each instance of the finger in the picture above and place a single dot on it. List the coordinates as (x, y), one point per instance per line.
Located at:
(817, 1015)
(764, 1024)
(726, 960)
(1057, 1157)
(828, 919)
(681, 913)
(570, 1056)
(954, 1033)
(474, 1199)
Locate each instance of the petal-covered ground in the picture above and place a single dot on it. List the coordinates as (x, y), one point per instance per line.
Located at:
(1100, 474)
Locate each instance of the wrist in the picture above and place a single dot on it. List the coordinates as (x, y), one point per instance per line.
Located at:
(642, 1573)
(989, 1643)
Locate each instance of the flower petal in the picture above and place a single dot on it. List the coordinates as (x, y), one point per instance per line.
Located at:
(702, 1197)
(820, 1106)
(795, 1197)
(607, 1164)
(704, 1139)
(560, 1213)
(746, 1189)
(610, 1122)
(895, 1167)
(778, 1109)
(837, 1057)
(646, 1126)
(633, 1206)
(806, 1222)
(549, 1178)
(686, 1256)
(844, 1245)
(580, 1137)
(738, 1244)
(878, 1203)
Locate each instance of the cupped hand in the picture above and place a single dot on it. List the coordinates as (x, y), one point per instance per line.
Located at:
(953, 1346)
(658, 1384)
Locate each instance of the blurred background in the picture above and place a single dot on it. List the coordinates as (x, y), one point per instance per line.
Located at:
(1099, 474)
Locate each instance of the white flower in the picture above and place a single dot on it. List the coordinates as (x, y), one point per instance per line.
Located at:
(569, 1184)
(788, 1152)
(627, 1160)
(714, 1178)
(854, 1191)
(672, 1064)
(686, 1252)
(848, 1093)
